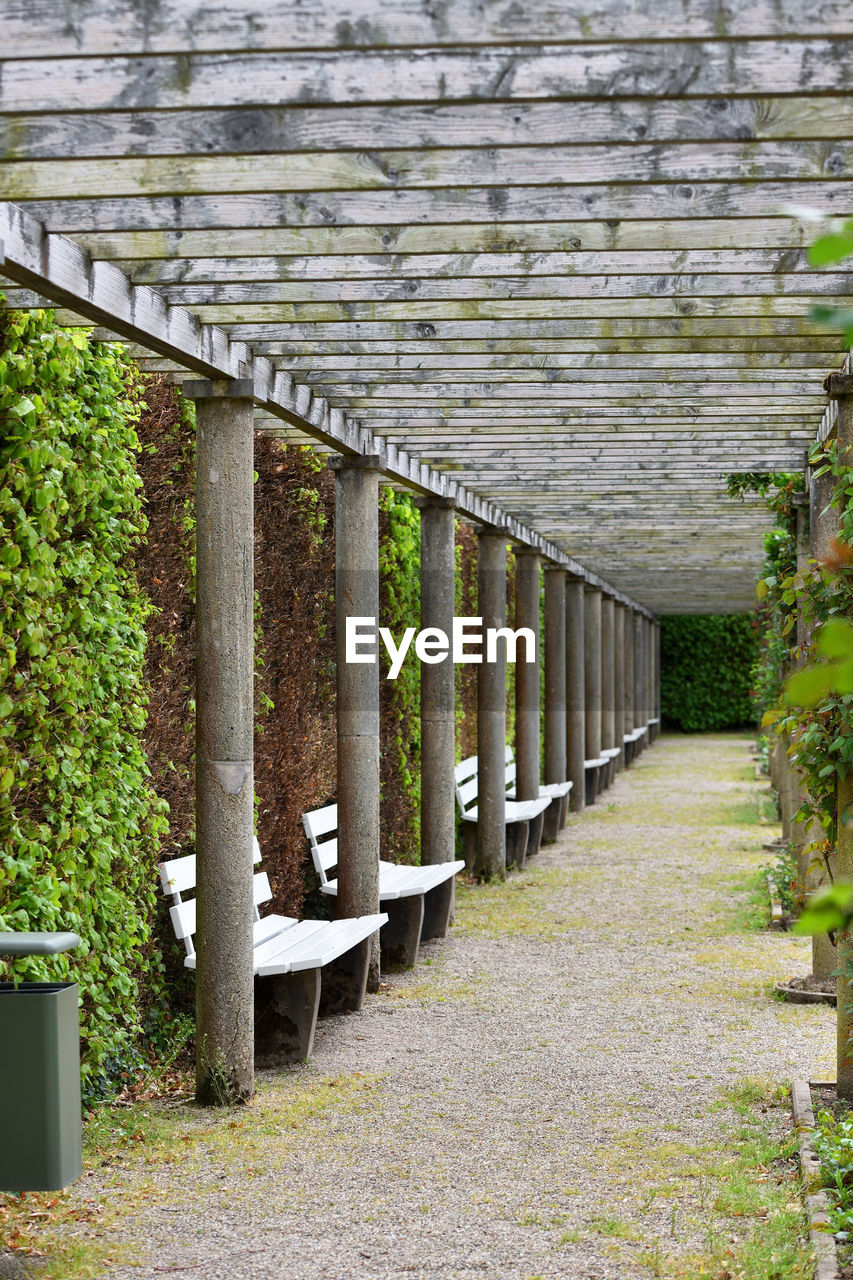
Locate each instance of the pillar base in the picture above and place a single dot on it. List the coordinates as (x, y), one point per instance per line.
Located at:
(516, 844)
(551, 820)
(286, 1007)
(400, 938)
(534, 835)
(438, 909)
(345, 981)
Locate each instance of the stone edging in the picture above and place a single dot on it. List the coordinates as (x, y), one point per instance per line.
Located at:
(822, 1240)
(795, 995)
(776, 918)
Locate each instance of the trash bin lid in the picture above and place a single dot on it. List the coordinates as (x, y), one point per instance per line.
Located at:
(37, 944)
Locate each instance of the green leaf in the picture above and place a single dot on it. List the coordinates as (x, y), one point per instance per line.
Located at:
(807, 686)
(831, 248)
(829, 909)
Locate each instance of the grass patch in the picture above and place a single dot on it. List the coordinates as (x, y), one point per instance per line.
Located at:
(738, 1195)
(529, 902)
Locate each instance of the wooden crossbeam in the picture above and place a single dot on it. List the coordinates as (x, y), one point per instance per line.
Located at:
(770, 229)
(409, 170)
(412, 207)
(524, 72)
(277, 129)
(51, 29)
(248, 298)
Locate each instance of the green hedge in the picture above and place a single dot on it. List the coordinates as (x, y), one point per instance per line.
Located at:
(706, 664)
(79, 821)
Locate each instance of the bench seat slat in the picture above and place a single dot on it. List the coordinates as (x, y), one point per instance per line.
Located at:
(552, 789)
(595, 764)
(524, 810)
(318, 947)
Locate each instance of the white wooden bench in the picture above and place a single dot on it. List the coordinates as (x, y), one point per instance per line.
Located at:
(632, 741)
(418, 899)
(520, 814)
(610, 754)
(557, 793)
(288, 957)
(593, 777)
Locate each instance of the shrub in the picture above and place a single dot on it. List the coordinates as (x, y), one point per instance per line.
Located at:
(706, 661)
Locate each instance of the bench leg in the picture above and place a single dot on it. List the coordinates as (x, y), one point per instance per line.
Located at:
(589, 785)
(564, 809)
(285, 1017)
(345, 981)
(516, 844)
(551, 821)
(438, 908)
(400, 937)
(470, 854)
(534, 835)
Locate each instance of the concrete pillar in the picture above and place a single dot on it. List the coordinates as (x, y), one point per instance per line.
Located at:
(639, 677)
(650, 667)
(555, 674)
(619, 683)
(527, 676)
(438, 722)
(575, 693)
(224, 740)
(608, 715)
(628, 630)
(555, 697)
(592, 671)
(491, 711)
(840, 387)
(657, 673)
(357, 596)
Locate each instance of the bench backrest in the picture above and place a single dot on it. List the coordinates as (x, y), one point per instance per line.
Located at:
(321, 828)
(178, 877)
(466, 779)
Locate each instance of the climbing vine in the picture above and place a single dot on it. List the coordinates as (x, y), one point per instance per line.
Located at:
(399, 607)
(79, 821)
(821, 731)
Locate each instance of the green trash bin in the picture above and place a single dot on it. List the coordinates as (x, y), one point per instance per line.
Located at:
(40, 1119)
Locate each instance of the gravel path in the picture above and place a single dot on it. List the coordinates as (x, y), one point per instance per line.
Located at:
(532, 1101)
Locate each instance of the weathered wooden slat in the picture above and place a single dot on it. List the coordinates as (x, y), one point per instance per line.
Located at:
(729, 309)
(468, 266)
(768, 230)
(800, 285)
(398, 170)
(805, 348)
(741, 396)
(685, 328)
(779, 369)
(693, 68)
(608, 202)
(45, 28)
(726, 370)
(275, 130)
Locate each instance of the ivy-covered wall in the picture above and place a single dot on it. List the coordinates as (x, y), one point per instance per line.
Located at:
(80, 823)
(706, 671)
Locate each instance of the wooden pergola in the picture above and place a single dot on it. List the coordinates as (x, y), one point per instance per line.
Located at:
(541, 265)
